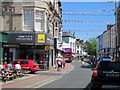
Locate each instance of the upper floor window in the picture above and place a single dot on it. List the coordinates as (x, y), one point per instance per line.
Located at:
(28, 20)
(39, 20)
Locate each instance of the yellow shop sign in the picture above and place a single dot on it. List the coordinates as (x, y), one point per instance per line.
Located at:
(41, 38)
(47, 47)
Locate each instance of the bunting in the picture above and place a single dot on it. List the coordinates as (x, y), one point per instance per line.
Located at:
(82, 21)
(67, 12)
(83, 30)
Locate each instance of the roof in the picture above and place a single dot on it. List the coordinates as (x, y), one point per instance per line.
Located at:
(78, 43)
(67, 34)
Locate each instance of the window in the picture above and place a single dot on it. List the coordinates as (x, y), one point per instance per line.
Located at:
(67, 49)
(110, 66)
(67, 54)
(15, 62)
(28, 19)
(35, 62)
(24, 62)
(39, 20)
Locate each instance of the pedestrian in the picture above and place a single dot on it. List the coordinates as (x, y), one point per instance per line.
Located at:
(63, 62)
(17, 66)
(9, 67)
(82, 62)
(1, 66)
(59, 63)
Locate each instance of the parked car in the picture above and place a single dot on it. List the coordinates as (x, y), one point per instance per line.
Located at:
(24, 63)
(107, 72)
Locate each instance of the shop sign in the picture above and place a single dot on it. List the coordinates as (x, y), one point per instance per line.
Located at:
(21, 38)
(24, 38)
(47, 47)
(12, 46)
(41, 38)
(49, 40)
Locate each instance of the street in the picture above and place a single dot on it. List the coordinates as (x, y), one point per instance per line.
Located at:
(37, 37)
(77, 78)
(72, 77)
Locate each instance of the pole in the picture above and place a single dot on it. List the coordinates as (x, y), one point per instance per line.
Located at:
(116, 28)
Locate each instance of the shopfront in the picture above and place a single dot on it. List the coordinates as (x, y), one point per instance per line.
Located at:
(32, 46)
(3, 40)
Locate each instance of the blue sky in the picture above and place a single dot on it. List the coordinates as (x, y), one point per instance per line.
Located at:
(88, 0)
(93, 17)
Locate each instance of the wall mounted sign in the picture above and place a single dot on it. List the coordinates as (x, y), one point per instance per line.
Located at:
(41, 38)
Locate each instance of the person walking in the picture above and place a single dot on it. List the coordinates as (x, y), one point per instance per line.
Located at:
(59, 63)
(64, 62)
(82, 62)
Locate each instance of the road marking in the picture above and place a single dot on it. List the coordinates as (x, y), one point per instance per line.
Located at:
(48, 82)
(68, 70)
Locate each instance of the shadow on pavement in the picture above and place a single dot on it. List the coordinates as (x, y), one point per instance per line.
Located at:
(103, 87)
(87, 87)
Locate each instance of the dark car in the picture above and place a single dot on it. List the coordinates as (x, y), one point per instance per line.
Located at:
(107, 72)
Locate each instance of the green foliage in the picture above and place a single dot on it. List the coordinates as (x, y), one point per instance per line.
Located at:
(90, 46)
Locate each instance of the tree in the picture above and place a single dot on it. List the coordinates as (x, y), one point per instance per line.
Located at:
(90, 46)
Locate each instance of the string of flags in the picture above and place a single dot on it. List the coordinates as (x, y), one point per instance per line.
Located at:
(63, 12)
(89, 12)
(83, 30)
(90, 34)
(91, 21)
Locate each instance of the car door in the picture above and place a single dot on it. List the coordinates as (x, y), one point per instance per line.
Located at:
(24, 63)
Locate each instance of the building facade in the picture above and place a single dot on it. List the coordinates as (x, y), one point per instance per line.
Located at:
(31, 30)
(70, 39)
(106, 42)
(117, 27)
(79, 49)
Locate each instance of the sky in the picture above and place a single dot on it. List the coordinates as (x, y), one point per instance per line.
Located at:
(87, 19)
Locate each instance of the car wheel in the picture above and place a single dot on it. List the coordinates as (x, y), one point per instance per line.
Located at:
(32, 72)
(95, 86)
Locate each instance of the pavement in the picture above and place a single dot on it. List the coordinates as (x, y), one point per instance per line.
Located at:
(37, 80)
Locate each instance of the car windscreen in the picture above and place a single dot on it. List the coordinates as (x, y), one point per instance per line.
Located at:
(35, 62)
(14, 62)
(109, 66)
(67, 54)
